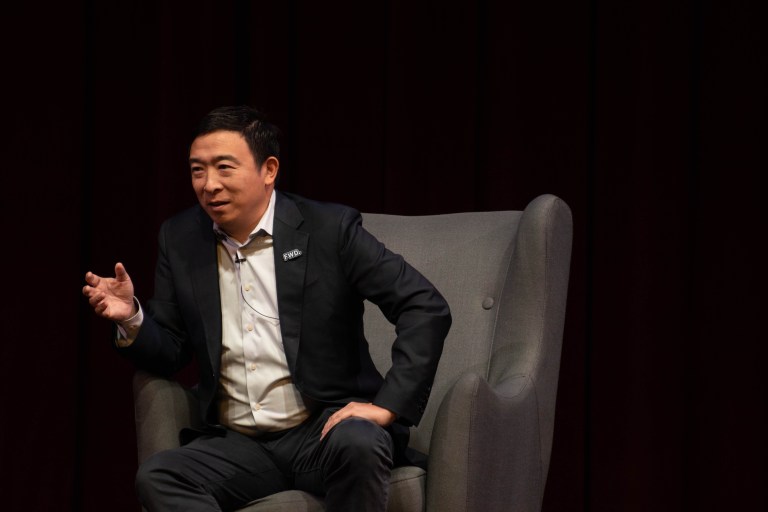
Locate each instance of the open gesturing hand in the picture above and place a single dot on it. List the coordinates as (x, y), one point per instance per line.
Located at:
(111, 297)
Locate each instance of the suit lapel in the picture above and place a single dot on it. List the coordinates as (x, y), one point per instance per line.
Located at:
(204, 274)
(289, 272)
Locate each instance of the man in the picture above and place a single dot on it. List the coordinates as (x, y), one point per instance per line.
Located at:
(267, 289)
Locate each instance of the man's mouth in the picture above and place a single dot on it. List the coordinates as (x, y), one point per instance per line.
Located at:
(217, 205)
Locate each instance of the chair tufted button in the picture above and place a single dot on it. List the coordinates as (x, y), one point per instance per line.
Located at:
(488, 303)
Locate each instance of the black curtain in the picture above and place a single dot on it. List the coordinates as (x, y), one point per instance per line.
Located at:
(647, 118)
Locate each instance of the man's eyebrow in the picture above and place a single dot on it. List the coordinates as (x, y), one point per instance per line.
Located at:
(216, 159)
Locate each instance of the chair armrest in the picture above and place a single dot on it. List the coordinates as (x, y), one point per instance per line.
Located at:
(485, 452)
(162, 408)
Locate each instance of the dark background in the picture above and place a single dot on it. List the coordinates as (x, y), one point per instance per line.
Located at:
(647, 117)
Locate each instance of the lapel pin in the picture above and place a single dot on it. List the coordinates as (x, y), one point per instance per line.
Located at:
(292, 254)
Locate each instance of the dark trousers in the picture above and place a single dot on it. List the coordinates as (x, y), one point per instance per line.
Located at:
(350, 467)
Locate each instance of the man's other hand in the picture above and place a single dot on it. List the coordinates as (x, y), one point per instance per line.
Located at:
(111, 297)
(379, 415)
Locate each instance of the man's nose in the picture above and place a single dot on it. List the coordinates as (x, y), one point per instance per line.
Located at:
(212, 183)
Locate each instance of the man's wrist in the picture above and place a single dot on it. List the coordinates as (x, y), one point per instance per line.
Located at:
(135, 310)
(128, 329)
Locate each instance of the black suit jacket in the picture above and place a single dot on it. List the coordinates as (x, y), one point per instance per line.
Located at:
(320, 301)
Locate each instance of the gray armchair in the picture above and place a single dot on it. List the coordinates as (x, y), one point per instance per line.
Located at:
(488, 426)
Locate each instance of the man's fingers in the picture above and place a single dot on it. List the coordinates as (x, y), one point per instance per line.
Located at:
(94, 299)
(89, 292)
(327, 427)
(349, 410)
(366, 411)
(92, 279)
(335, 418)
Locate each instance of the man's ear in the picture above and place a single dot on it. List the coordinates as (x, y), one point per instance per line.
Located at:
(270, 167)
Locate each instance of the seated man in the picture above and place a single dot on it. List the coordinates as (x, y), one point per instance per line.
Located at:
(266, 289)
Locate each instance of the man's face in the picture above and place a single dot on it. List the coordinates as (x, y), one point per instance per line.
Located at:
(230, 187)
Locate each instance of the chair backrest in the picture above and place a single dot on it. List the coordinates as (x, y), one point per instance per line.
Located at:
(504, 275)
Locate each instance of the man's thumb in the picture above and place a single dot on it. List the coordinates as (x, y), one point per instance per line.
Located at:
(120, 273)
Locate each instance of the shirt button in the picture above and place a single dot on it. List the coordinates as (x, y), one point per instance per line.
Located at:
(249, 327)
(256, 407)
(247, 288)
(253, 367)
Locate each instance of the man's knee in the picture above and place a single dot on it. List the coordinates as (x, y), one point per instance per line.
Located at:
(358, 464)
(362, 443)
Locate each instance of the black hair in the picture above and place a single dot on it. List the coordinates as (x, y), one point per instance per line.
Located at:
(261, 135)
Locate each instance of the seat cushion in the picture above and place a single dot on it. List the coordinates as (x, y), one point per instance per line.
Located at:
(406, 494)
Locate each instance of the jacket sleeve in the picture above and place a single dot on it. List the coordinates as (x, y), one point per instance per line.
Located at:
(408, 300)
(161, 350)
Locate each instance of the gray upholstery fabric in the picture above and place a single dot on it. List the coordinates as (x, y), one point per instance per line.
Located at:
(489, 422)
(162, 408)
(407, 491)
